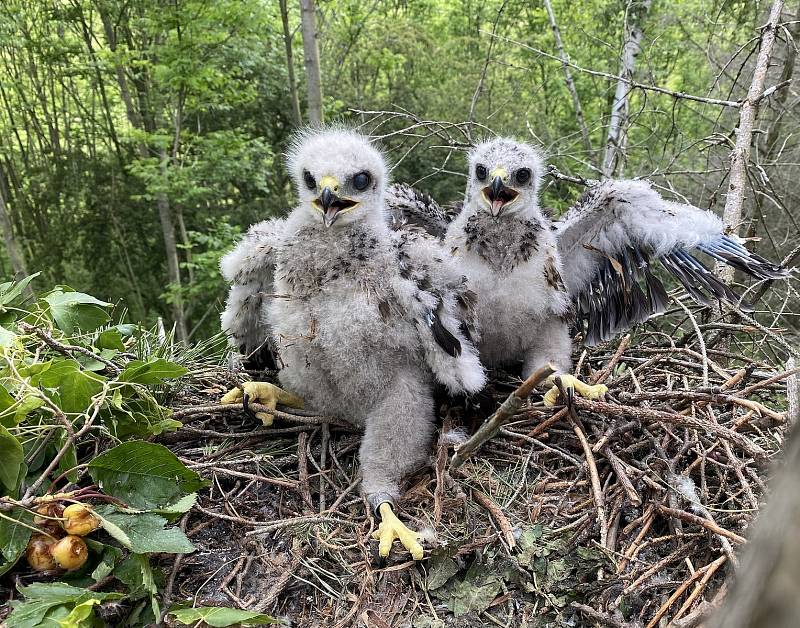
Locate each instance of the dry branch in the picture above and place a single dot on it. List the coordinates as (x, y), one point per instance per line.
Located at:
(502, 415)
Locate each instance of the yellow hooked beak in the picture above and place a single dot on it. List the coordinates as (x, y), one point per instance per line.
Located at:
(329, 203)
(497, 194)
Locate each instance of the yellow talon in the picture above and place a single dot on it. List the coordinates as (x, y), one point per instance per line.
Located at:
(568, 382)
(265, 394)
(392, 528)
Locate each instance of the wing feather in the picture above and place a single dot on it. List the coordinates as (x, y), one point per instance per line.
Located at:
(411, 209)
(610, 239)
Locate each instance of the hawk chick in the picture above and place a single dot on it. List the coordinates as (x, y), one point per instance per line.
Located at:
(363, 319)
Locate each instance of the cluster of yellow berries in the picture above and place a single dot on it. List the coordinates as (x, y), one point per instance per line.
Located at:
(60, 545)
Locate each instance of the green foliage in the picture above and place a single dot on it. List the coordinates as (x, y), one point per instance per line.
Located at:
(218, 616)
(67, 364)
(57, 604)
(143, 475)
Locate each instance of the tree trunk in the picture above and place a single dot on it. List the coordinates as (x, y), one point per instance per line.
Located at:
(171, 249)
(308, 22)
(614, 155)
(15, 254)
(773, 146)
(287, 42)
(740, 156)
(573, 92)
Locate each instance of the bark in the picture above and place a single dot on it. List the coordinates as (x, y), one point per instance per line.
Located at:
(617, 138)
(165, 215)
(308, 22)
(573, 92)
(774, 143)
(15, 254)
(748, 113)
(765, 592)
(287, 42)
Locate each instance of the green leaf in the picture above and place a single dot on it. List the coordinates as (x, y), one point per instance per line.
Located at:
(76, 310)
(137, 573)
(12, 290)
(145, 532)
(183, 505)
(110, 339)
(6, 400)
(154, 371)
(11, 457)
(109, 556)
(144, 475)
(220, 616)
(81, 616)
(75, 387)
(54, 600)
(440, 570)
(7, 337)
(13, 537)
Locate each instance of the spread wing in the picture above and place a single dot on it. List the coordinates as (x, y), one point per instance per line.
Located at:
(250, 269)
(442, 306)
(408, 208)
(611, 239)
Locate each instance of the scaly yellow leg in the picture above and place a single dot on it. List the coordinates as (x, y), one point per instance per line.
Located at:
(392, 528)
(265, 394)
(570, 382)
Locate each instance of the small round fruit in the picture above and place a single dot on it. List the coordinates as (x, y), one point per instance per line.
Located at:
(70, 552)
(39, 553)
(48, 518)
(48, 512)
(79, 520)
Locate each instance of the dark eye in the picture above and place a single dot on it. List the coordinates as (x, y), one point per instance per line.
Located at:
(523, 175)
(310, 181)
(361, 181)
(480, 172)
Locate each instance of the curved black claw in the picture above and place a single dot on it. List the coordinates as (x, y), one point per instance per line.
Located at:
(246, 405)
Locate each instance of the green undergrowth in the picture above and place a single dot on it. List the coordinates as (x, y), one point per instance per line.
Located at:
(81, 392)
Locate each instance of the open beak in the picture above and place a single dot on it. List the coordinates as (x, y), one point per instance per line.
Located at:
(329, 203)
(497, 195)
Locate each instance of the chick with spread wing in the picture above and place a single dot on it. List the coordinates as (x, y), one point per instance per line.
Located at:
(534, 277)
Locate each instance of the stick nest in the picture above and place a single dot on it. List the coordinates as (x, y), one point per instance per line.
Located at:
(627, 512)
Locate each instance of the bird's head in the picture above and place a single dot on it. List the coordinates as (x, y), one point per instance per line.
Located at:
(340, 176)
(504, 177)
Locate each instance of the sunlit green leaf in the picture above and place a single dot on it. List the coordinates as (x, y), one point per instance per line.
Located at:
(11, 457)
(220, 616)
(144, 475)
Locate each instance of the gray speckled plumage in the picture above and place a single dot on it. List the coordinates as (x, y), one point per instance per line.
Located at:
(513, 265)
(357, 313)
(532, 275)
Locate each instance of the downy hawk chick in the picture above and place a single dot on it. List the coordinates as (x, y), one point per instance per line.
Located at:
(532, 276)
(363, 319)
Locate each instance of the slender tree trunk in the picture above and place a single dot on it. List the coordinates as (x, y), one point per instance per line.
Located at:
(573, 92)
(772, 146)
(308, 22)
(15, 254)
(740, 156)
(166, 217)
(287, 42)
(616, 141)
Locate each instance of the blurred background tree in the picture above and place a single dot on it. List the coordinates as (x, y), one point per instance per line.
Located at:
(139, 137)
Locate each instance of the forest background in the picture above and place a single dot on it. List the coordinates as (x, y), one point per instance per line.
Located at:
(139, 138)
